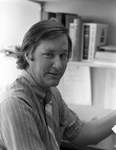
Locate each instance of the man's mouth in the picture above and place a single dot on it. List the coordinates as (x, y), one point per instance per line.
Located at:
(55, 74)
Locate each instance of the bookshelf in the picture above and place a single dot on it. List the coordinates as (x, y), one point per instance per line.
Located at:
(67, 19)
(102, 11)
(94, 64)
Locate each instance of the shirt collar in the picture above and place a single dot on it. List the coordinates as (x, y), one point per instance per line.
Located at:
(37, 89)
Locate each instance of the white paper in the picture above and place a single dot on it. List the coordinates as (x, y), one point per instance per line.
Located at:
(114, 129)
(75, 86)
(110, 89)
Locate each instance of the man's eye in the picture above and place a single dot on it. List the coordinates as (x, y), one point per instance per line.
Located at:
(64, 55)
(48, 54)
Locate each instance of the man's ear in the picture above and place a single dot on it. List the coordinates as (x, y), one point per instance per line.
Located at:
(28, 57)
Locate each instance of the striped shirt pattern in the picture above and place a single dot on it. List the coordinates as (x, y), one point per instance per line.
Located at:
(49, 120)
(22, 117)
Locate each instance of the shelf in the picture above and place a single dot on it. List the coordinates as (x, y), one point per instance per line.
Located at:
(95, 64)
(69, 0)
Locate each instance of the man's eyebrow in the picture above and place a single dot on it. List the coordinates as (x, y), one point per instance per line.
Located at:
(65, 50)
(49, 50)
(52, 51)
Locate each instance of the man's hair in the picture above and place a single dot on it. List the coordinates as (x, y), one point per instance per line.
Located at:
(41, 31)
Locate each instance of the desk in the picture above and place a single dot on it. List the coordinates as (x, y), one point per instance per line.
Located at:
(67, 146)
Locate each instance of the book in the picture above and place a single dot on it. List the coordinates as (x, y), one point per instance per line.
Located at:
(48, 15)
(105, 55)
(105, 61)
(93, 36)
(85, 41)
(61, 18)
(75, 35)
(110, 48)
(69, 18)
(64, 18)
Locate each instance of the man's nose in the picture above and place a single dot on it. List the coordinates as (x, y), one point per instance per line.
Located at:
(57, 63)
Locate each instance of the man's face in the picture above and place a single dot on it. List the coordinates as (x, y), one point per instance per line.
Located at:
(50, 61)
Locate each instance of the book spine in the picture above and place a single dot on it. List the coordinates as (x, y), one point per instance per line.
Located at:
(75, 34)
(77, 39)
(92, 41)
(105, 55)
(71, 34)
(61, 18)
(48, 15)
(44, 15)
(69, 19)
(85, 41)
(98, 35)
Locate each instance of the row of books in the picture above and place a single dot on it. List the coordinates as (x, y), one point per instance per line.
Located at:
(94, 35)
(64, 18)
(86, 35)
(75, 29)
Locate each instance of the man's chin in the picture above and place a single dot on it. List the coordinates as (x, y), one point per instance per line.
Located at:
(55, 83)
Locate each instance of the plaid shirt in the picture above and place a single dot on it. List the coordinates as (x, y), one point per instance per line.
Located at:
(22, 117)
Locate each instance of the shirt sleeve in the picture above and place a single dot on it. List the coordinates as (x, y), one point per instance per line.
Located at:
(71, 121)
(19, 129)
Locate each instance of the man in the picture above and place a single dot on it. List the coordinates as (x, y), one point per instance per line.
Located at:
(33, 114)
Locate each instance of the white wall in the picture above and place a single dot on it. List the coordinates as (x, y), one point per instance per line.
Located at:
(16, 16)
